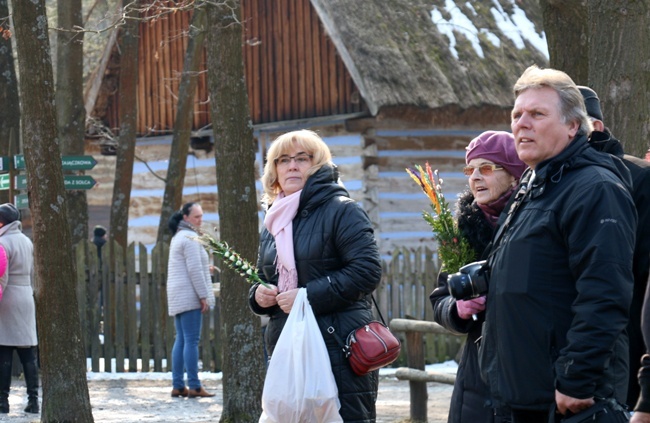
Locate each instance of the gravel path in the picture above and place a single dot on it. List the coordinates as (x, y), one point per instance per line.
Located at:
(128, 401)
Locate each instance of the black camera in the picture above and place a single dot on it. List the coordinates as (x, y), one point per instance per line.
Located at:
(471, 281)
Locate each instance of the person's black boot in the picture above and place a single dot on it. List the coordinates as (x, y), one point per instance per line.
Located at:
(5, 379)
(30, 369)
(31, 380)
(32, 406)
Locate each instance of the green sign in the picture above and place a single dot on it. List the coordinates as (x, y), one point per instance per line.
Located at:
(4, 164)
(67, 162)
(20, 182)
(4, 182)
(70, 182)
(78, 181)
(19, 161)
(20, 201)
(78, 162)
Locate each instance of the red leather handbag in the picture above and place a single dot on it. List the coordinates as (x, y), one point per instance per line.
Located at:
(369, 347)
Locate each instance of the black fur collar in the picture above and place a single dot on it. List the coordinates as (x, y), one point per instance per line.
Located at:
(472, 223)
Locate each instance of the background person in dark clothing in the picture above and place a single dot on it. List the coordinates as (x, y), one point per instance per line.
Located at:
(561, 263)
(602, 140)
(493, 173)
(99, 239)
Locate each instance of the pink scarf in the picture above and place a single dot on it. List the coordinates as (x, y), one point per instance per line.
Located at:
(279, 221)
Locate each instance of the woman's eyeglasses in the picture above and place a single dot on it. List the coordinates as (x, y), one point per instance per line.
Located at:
(484, 169)
(300, 159)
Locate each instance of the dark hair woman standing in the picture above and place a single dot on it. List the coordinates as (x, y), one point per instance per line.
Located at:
(189, 293)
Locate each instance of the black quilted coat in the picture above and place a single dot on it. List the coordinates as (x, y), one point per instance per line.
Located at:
(470, 400)
(337, 260)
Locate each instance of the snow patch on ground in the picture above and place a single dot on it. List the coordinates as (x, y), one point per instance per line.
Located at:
(446, 367)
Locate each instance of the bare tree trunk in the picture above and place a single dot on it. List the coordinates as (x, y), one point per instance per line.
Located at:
(9, 116)
(183, 124)
(619, 68)
(128, 43)
(65, 389)
(565, 25)
(71, 114)
(243, 366)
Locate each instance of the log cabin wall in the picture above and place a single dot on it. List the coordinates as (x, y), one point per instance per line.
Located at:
(393, 200)
(371, 166)
(292, 69)
(200, 182)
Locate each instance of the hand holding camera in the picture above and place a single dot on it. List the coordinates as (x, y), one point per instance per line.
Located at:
(469, 308)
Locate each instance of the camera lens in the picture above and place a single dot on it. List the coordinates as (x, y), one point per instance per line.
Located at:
(460, 285)
(470, 282)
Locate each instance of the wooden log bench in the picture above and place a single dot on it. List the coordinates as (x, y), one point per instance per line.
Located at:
(415, 373)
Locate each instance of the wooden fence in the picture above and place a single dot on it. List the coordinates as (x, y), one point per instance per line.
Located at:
(124, 316)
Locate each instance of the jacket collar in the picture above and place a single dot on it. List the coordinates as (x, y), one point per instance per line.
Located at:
(320, 187)
(577, 154)
(605, 142)
(14, 226)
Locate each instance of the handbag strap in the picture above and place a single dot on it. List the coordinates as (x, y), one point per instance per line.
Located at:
(345, 347)
(378, 311)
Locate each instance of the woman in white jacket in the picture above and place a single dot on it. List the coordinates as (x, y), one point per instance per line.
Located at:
(189, 293)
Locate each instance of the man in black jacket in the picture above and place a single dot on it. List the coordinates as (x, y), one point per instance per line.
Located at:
(561, 263)
(602, 140)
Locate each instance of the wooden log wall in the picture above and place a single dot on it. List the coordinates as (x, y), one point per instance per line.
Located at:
(200, 181)
(371, 165)
(396, 202)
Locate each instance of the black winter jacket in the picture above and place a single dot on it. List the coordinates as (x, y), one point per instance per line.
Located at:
(470, 400)
(561, 282)
(640, 172)
(337, 261)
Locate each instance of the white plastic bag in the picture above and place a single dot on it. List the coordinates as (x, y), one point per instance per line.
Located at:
(299, 385)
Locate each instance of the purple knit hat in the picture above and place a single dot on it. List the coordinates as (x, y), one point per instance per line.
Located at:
(498, 147)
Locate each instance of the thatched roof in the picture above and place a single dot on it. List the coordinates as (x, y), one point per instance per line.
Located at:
(398, 56)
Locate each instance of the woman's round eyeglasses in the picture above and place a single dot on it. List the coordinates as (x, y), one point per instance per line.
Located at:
(484, 169)
(300, 159)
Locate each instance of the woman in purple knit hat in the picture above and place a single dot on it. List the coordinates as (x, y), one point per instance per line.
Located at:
(493, 170)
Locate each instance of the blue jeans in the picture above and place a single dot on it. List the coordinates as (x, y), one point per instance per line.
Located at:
(185, 354)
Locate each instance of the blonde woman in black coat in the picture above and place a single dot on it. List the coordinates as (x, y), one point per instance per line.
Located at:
(316, 238)
(493, 169)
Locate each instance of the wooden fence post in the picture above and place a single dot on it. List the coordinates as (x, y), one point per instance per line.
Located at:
(131, 313)
(414, 330)
(145, 309)
(119, 307)
(158, 273)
